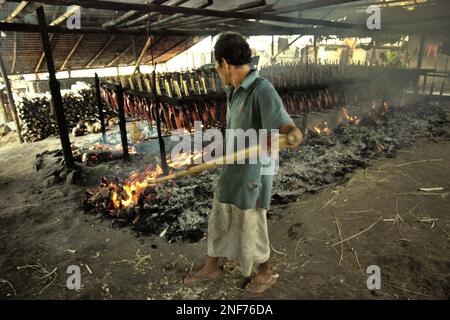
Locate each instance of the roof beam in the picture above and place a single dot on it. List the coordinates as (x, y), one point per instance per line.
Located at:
(203, 5)
(99, 53)
(20, 27)
(119, 20)
(12, 17)
(169, 10)
(145, 17)
(252, 6)
(69, 12)
(75, 47)
(312, 5)
(143, 52)
(14, 58)
(23, 27)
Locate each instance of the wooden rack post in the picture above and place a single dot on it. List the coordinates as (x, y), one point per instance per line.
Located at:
(100, 108)
(122, 123)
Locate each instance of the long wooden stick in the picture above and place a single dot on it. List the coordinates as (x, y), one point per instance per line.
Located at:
(285, 141)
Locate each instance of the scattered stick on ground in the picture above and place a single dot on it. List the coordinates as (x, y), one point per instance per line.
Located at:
(138, 261)
(340, 239)
(359, 264)
(359, 233)
(9, 283)
(44, 273)
(280, 253)
(406, 290)
(419, 161)
(431, 189)
(443, 195)
(397, 215)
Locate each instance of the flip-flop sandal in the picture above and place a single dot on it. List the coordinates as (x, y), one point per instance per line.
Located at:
(262, 287)
(200, 280)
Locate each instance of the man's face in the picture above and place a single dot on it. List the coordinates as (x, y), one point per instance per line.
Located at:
(224, 72)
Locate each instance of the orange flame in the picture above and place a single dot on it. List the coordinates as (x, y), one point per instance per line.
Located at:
(136, 183)
(322, 129)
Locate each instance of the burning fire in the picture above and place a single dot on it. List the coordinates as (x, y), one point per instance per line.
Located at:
(350, 119)
(128, 193)
(322, 129)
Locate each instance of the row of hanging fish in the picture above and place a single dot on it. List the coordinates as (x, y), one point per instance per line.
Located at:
(173, 116)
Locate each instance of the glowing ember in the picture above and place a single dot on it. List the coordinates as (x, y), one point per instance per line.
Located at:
(350, 119)
(322, 129)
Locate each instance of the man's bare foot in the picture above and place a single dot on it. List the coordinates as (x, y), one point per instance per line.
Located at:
(209, 271)
(262, 281)
(201, 275)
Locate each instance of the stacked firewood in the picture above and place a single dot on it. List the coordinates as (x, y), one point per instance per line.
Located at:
(38, 120)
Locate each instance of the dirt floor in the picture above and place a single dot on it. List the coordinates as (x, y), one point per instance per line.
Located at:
(402, 230)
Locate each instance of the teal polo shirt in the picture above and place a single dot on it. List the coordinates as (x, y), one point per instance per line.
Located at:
(255, 104)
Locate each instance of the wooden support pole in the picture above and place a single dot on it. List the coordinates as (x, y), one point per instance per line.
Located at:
(420, 61)
(441, 92)
(55, 91)
(315, 50)
(12, 104)
(5, 112)
(421, 52)
(272, 46)
(101, 116)
(162, 147)
(122, 122)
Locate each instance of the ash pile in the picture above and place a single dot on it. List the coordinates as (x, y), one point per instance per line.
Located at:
(179, 210)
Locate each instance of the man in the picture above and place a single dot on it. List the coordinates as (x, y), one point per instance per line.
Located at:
(237, 227)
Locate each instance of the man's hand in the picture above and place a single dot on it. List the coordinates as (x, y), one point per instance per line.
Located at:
(287, 129)
(291, 129)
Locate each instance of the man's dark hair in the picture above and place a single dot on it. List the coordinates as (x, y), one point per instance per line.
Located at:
(233, 48)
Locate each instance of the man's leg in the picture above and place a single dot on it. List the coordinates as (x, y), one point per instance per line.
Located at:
(209, 270)
(262, 280)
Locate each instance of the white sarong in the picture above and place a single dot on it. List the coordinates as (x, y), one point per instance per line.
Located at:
(239, 235)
